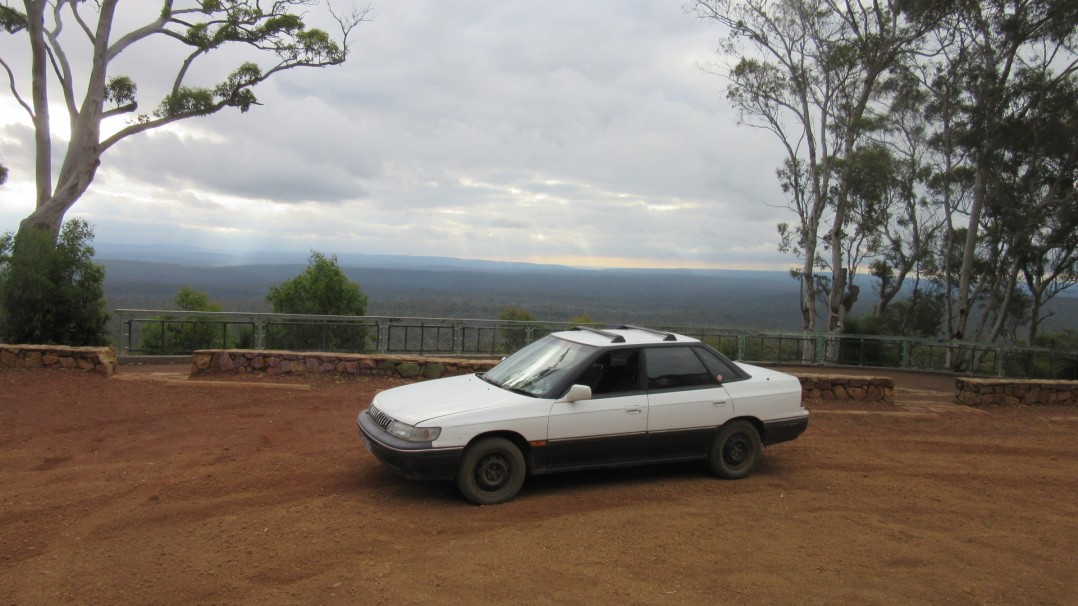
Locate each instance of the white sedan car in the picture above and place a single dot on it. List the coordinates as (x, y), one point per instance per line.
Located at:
(584, 398)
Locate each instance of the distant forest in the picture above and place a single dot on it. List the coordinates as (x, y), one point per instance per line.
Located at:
(724, 299)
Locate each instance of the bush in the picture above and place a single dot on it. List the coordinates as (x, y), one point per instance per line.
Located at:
(857, 351)
(179, 334)
(516, 336)
(51, 293)
(322, 289)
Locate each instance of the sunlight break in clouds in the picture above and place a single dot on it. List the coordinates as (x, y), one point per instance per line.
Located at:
(580, 134)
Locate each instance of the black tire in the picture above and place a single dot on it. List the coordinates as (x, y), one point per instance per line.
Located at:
(491, 471)
(735, 451)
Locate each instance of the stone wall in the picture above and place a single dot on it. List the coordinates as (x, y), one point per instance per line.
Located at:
(214, 361)
(1015, 392)
(57, 357)
(843, 387)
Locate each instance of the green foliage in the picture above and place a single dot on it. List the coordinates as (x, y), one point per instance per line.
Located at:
(235, 90)
(920, 315)
(50, 290)
(583, 319)
(179, 334)
(121, 90)
(519, 334)
(516, 314)
(12, 20)
(863, 352)
(1062, 341)
(187, 101)
(322, 289)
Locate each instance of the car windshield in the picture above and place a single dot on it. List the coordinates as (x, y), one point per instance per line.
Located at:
(539, 367)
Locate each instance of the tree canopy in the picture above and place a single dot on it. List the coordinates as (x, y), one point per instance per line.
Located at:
(924, 141)
(321, 289)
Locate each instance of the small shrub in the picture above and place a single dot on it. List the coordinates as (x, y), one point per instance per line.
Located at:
(51, 292)
(182, 334)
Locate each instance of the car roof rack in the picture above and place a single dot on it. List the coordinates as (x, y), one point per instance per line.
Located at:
(667, 336)
(613, 337)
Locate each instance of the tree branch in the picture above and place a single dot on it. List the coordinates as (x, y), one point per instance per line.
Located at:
(56, 54)
(86, 29)
(14, 90)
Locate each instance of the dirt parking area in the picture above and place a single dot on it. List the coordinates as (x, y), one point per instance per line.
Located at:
(148, 489)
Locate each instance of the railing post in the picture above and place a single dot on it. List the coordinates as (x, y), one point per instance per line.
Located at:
(742, 341)
(904, 357)
(383, 337)
(458, 338)
(821, 344)
(126, 337)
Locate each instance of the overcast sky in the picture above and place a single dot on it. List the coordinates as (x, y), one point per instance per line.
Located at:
(579, 133)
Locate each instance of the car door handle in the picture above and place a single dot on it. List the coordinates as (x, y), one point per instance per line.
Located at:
(633, 410)
(719, 402)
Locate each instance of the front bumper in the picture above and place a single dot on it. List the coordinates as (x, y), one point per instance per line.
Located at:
(415, 460)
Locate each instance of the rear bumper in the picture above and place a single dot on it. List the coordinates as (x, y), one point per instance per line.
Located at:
(784, 430)
(415, 460)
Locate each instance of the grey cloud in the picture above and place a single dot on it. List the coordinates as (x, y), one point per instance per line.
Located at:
(464, 128)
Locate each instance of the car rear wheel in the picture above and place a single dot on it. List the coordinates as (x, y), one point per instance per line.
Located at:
(491, 471)
(735, 451)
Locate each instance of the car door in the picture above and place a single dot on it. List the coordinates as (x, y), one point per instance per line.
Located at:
(608, 429)
(686, 403)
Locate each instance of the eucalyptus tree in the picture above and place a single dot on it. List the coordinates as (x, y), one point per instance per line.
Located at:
(1001, 63)
(912, 217)
(73, 51)
(1038, 187)
(810, 72)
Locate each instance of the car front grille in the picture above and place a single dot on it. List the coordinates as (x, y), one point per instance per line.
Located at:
(380, 418)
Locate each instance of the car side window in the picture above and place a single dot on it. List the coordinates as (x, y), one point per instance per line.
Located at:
(613, 373)
(676, 368)
(716, 365)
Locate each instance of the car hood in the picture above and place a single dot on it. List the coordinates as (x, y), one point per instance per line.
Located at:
(428, 400)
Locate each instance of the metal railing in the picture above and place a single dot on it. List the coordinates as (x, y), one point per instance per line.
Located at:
(158, 332)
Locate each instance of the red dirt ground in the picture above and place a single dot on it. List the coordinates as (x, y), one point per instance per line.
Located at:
(148, 489)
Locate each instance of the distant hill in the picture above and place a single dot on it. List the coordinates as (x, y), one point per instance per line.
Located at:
(455, 288)
(749, 301)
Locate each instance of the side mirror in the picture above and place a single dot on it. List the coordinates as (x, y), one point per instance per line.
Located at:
(577, 393)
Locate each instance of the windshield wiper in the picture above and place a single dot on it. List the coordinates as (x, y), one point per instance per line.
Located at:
(518, 390)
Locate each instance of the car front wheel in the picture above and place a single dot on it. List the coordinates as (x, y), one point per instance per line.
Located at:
(735, 451)
(491, 471)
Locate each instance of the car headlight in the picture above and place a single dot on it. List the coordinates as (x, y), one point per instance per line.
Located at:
(413, 434)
